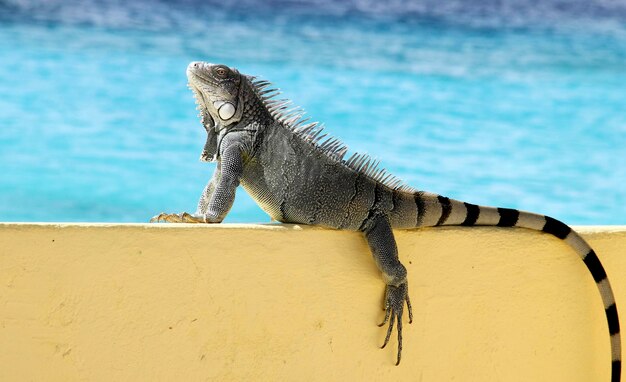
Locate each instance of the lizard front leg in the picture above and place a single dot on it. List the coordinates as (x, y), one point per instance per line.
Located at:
(383, 246)
(218, 195)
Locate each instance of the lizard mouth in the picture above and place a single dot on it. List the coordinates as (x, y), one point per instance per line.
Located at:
(196, 77)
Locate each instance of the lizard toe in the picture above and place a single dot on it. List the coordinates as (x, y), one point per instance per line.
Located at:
(395, 298)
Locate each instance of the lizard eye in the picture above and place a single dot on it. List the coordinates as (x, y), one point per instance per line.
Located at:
(221, 71)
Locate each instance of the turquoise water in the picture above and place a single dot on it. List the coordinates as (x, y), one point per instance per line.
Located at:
(498, 105)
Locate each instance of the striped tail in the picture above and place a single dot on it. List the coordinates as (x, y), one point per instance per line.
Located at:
(438, 210)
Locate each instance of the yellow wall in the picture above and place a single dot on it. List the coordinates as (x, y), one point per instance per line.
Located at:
(239, 302)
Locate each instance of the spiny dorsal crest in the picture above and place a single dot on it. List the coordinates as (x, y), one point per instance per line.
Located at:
(293, 118)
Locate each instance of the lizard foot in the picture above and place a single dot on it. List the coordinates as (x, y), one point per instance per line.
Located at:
(395, 296)
(183, 217)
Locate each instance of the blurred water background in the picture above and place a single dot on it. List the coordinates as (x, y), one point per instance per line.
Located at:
(511, 103)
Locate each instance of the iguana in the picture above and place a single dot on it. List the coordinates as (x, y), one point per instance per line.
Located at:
(298, 174)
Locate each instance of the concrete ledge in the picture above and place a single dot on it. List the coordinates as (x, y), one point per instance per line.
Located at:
(136, 302)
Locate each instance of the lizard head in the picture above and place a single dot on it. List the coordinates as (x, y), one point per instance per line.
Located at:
(216, 89)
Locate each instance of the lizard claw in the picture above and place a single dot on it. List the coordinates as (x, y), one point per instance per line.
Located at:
(395, 296)
(195, 218)
(158, 218)
(183, 217)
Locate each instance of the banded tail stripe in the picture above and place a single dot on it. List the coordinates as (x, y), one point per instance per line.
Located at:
(453, 212)
(446, 208)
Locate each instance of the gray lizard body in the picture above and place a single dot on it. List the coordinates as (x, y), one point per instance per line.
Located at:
(298, 175)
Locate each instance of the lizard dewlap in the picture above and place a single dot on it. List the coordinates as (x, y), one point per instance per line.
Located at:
(298, 174)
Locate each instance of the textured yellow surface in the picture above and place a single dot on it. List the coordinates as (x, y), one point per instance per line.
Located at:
(238, 302)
